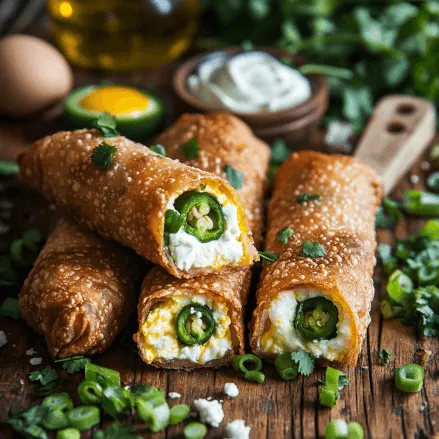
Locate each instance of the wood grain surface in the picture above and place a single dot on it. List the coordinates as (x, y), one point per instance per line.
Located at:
(275, 409)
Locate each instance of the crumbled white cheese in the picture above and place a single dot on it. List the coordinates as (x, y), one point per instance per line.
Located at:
(3, 338)
(36, 361)
(237, 430)
(211, 412)
(209, 398)
(338, 134)
(174, 395)
(425, 166)
(231, 389)
(31, 351)
(414, 179)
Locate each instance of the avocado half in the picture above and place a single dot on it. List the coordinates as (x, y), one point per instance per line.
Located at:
(136, 127)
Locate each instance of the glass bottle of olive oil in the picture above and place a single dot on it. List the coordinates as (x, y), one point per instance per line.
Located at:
(123, 35)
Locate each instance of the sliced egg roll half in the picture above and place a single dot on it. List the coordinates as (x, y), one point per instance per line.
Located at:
(185, 324)
(317, 295)
(81, 291)
(186, 220)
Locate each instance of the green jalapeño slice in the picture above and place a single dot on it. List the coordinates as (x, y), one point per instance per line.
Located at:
(316, 319)
(202, 215)
(195, 324)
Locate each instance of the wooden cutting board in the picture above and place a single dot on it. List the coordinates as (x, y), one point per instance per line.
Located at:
(400, 129)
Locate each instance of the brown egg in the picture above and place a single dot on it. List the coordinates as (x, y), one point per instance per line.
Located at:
(33, 75)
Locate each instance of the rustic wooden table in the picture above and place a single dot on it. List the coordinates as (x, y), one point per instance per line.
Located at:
(275, 409)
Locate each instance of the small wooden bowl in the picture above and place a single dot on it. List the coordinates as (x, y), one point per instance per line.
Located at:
(294, 124)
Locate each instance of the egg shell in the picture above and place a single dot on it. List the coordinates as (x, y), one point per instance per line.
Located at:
(33, 75)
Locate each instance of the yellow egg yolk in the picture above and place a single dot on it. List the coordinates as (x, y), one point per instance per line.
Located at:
(116, 100)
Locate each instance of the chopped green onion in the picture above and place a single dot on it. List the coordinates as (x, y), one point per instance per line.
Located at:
(255, 376)
(58, 401)
(355, 431)
(195, 430)
(55, 419)
(335, 379)
(399, 286)
(286, 367)
(247, 362)
(144, 391)
(409, 378)
(431, 230)
(90, 392)
(114, 401)
(154, 413)
(178, 414)
(328, 397)
(68, 433)
(386, 309)
(427, 275)
(105, 377)
(84, 417)
(421, 203)
(337, 429)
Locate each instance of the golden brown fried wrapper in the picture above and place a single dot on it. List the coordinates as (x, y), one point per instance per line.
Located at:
(81, 291)
(342, 221)
(224, 140)
(127, 201)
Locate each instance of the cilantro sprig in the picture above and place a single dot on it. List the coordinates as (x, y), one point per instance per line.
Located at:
(384, 356)
(234, 177)
(44, 376)
(268, 257)
(389, 213)
(102, 155)
(304, 360)
(159, 149)
(308, 197)
(191, 149)
(107, 124)
(284, 235)
(74, 364)
(313, 249)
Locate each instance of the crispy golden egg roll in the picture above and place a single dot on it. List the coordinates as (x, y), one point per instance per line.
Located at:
(188, 221)
(185, 324)
(317, 295)
(81, 291)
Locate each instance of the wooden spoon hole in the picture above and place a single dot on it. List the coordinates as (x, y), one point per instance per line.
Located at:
(406, 109)
(395, 128)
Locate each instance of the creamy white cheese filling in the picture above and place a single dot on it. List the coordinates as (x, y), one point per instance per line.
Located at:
(188, 252)
(282, 337)
(160, 335)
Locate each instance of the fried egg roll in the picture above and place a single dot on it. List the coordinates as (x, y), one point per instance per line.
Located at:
(317, 295)
(185, 324)
(81, 291)
(188, 221)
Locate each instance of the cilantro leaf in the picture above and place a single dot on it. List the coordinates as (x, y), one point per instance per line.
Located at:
(44, 376)
(191, 148)
(308, 197)
(304, 360)
(107, 124)
(433, 181)
(384, 356)
(284, 235)
(102, 155)
(313, 250)
(388, 260)
(10, 308)
(173, 221)
(26, 422)
(74, 364)
(388, 214)
(342, 381)
(279, 152)
(47, 388)
(268, 257)
(117, 430)
(159, 149)
(8, 168)
(234, 177)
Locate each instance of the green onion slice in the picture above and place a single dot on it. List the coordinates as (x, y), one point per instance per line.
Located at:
(255, 376)
(316, 319)
(286, 367)
(58, 401)
(328, 396)
(154, 413)
(355, 431)
(409, 378)
(195, 324)
(195, 430)
(84, 417)
(90, 392)
(68, 433)
(178, 414)
(246, 363)
(337, 429)
(55, 419)
(105, 377)
(203, 215)
(115, 401)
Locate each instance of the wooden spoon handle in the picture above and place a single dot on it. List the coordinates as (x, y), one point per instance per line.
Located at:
(400, 129)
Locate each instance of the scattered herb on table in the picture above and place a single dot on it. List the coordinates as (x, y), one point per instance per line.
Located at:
(8, 169)
(307, 197)
(159, 149)
(44, 376)
(409, 378)
(313, 250)
(340, 429)
(107, 124)
(268, 257)
(420, 203)
(384, 356)
(279, 153)
(389, 213)
(234, 177)
(102, 155)
(250, 365)
(284, 235)
(74, 364)
(10, 308)
(335, 380)
(191, 148)
(117, 430)
(304, 360)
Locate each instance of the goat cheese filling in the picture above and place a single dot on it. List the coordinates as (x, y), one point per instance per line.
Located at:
(187, 251)
(281, 335)
(161, 340)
